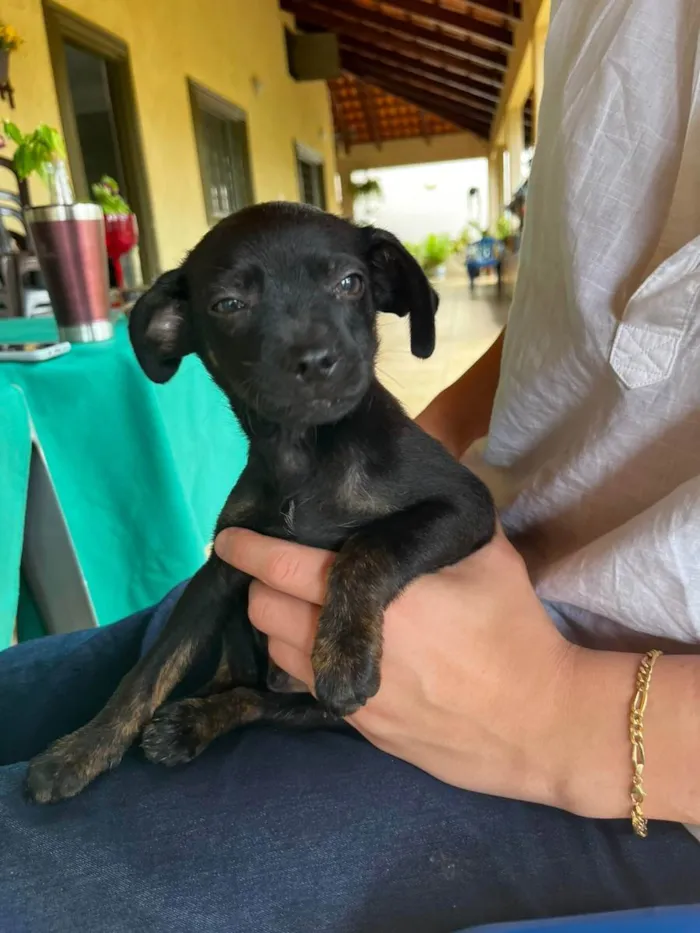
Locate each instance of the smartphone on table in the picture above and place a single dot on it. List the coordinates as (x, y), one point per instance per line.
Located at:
(32, 352)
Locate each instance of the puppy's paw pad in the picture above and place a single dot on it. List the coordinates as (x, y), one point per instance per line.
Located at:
(175, 735)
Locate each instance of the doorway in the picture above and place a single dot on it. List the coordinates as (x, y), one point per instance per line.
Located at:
(94, 116)
(100, 124)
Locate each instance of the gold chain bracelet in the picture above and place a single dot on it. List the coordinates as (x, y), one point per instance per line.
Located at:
(639, 703)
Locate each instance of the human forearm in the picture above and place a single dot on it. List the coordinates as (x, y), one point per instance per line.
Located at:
(462, 412)
(597, 746)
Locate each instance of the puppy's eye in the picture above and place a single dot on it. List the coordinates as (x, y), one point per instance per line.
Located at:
(228, 305)
(352, 286)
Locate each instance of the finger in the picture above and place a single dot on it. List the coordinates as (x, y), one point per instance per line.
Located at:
(285, 566)
(283, 617)
(294, 662)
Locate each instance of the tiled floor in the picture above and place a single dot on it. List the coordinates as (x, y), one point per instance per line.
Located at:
(466, 327)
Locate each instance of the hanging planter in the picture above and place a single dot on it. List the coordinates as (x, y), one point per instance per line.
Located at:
(9, 42)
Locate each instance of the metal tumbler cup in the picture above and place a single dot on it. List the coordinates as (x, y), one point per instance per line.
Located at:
(70, 246)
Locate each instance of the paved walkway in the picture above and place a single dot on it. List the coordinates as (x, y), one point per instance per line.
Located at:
(466, 327)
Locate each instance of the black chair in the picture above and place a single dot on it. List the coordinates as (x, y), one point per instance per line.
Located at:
(19, 266)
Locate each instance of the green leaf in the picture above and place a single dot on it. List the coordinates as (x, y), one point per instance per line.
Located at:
(43, 134)
(12, 131)
(21, 163)
(36, 149)
(106, 194)
(57, 145)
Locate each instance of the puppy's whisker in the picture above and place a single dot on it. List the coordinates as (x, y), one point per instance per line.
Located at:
(389, 376)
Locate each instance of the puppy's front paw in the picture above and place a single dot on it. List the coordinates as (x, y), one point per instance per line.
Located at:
(345, 676)
(176, 734)
(63, 770)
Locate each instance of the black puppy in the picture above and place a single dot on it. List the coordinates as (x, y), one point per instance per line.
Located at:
(279, 302)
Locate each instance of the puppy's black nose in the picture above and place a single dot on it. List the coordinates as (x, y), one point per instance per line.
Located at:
(316, 364)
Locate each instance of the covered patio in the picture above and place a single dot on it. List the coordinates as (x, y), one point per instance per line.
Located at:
(433, 80)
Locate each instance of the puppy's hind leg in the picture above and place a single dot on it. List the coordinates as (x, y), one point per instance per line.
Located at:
(71, 763)
(243, 651)
(220, 679)
(180, 731)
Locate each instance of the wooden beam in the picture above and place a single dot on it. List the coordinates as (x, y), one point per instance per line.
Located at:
(368, 112)
(350, 14)
(404, 65)
(499, 36)
(380, 43)
(358, 64)
(515, 89)
(460, 76)
(475, 123)
(508, 9)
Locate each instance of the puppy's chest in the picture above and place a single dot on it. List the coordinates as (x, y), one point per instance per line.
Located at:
(321, 510)
(325, 511)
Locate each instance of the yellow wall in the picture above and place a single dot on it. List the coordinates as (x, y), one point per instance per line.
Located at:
(220, 44)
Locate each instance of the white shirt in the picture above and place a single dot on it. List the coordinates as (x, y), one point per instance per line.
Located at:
(594, 446)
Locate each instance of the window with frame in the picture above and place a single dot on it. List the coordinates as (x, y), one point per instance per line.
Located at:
(312, 182)
(222, 146)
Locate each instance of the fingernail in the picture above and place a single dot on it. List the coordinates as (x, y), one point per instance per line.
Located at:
(224, 541)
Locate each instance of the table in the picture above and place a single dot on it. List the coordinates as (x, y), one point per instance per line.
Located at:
(15, 453)
(140, 471)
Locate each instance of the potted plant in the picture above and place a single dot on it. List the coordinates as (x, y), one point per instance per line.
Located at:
(365, 195)
(471, 234)
(42, 152)
(369, 188)
(505, 231)
(436, 251)
(121, 229)
(503, 228)
(69, 238)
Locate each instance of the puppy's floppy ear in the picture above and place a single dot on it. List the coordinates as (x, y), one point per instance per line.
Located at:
(400, 287)
(159, 327)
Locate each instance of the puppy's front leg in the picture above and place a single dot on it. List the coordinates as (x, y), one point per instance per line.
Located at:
(371, 569)
(71, 763)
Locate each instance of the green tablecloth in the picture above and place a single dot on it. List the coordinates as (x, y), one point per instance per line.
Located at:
(15, 452)
(141, 470)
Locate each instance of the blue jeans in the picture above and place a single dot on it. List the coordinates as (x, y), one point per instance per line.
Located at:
(275, 832)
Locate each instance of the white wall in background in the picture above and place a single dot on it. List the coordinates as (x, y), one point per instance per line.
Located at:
(422, 199)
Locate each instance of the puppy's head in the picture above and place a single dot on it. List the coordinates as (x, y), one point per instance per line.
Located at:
(279, 301)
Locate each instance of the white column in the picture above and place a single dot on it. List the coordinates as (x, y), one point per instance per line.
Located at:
(495, 185)
(346, 206)
(514, 145)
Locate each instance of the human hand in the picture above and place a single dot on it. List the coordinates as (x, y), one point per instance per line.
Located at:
(475, 676)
